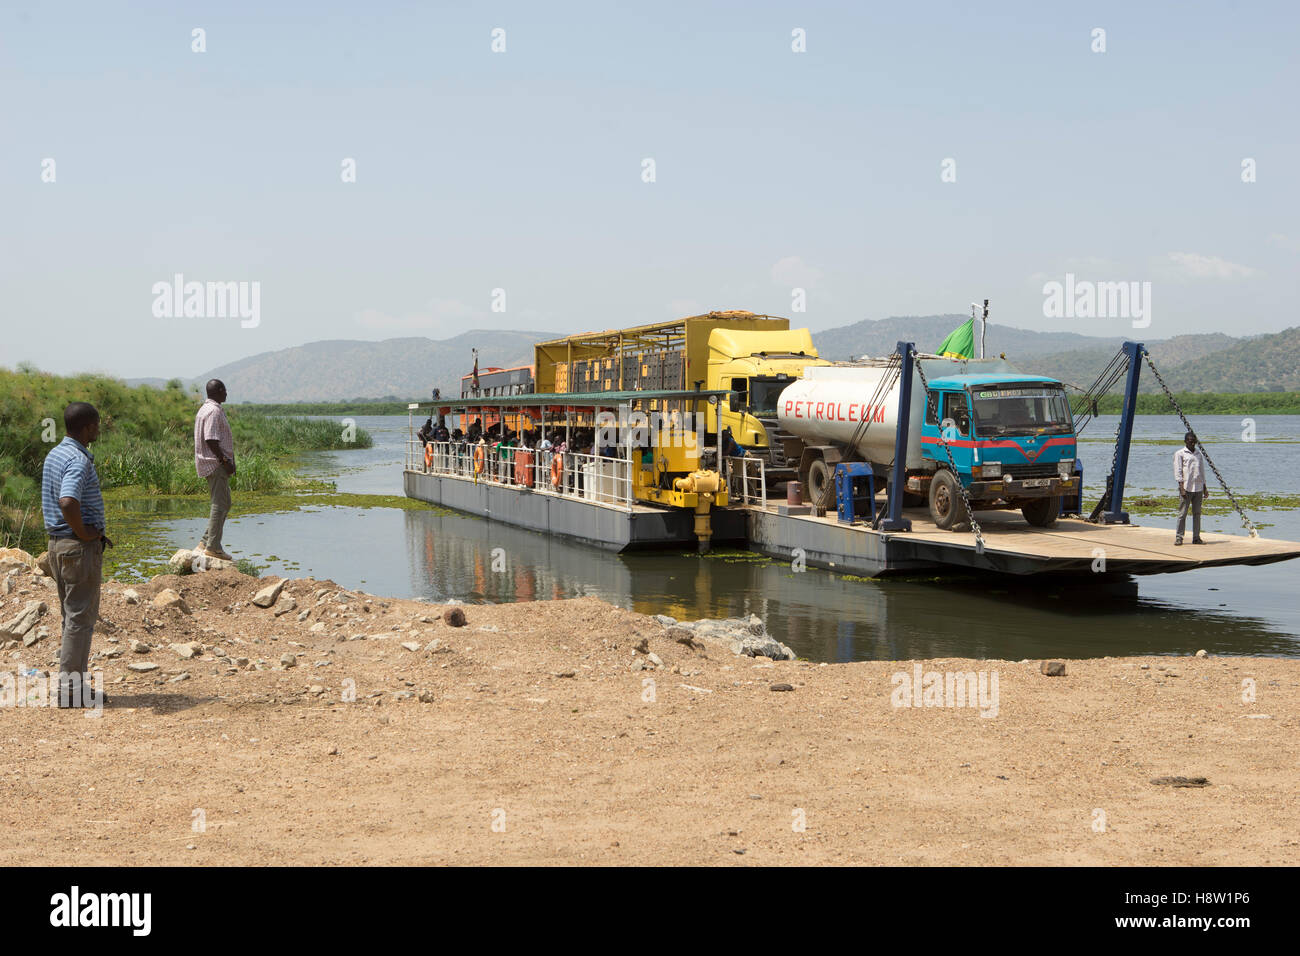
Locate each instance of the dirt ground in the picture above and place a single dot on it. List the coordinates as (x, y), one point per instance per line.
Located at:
(526, 737)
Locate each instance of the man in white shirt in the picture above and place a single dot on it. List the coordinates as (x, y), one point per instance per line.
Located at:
(1189, 472)
(214, 460)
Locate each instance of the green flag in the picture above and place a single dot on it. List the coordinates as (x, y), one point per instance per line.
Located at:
(960, 342)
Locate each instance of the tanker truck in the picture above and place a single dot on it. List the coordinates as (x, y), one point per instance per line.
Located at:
(1005, 437)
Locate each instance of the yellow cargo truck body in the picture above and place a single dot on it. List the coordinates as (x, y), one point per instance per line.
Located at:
(717, 350)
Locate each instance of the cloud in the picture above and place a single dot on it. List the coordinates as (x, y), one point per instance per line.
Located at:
(438, 313)
(1193, 265)
(792, 272)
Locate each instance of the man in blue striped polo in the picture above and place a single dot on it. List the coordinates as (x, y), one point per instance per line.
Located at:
(73, 509)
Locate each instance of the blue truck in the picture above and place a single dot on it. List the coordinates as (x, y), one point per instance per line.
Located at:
(1005, 437)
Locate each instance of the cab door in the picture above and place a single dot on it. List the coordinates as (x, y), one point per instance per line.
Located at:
(948, 423)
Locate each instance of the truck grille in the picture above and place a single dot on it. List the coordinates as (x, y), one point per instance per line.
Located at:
(1029, 470)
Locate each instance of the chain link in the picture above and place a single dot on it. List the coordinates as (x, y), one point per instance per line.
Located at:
(970, 512)
(1246, 522)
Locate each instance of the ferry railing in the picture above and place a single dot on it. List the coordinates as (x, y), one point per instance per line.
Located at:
(590, 477)
(747, 480)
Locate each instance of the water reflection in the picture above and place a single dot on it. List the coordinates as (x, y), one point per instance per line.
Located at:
(823, 616)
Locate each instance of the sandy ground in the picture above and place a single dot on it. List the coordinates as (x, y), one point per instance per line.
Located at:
(528, 738)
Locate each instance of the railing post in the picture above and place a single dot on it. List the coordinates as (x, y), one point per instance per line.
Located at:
(1117, 514)
(898, 477)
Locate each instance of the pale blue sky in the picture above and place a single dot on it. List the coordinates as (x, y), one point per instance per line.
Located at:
(522, 170)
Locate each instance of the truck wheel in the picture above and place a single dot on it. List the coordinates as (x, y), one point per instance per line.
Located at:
(946, 507)
(821, 485)
(1042, 512)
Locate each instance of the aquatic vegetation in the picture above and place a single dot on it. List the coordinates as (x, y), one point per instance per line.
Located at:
(146, 443)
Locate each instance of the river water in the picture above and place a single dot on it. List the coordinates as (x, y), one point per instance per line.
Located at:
(823, 616)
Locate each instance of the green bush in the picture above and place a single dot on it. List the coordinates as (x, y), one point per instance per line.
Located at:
(146, 441)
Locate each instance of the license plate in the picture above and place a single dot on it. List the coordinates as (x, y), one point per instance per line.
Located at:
(1037, 482)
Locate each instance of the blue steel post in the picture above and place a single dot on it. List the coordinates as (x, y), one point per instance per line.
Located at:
(1116, 514)
(898, 477)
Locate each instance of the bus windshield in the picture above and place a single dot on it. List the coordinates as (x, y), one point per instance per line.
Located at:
(1021, 410)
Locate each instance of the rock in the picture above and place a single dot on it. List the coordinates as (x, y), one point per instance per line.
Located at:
(38, 633)
(316, 689)
(454, 616)
(1180, 782)
(1202, 653)
(186, 561)
(288, 660)
(436, 646)
(303, 615)
(17, 557)
(131, 596)
(169, 600)
(1053, 668)
(269, 594)
(317, 627)
(6, 585)
(411, 645)
(112, 653)
(746, 636)
(287, 605)
(142, 667)
(683, 635)
(18, 626)
(426, 697)
(188, 651)
(184, 675)
(140, 647)
(782, 687)
(241, 661)
(43, 564)
(665, 620)
(765, 646)
(569, 673)
(655, 659)
(642, 646)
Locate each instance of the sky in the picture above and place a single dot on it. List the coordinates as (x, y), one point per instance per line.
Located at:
(908, 160)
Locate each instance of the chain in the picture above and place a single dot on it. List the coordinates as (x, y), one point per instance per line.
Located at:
(970, 512)
(1246, 522)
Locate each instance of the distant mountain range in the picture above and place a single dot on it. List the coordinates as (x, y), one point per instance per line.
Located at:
(347, 370)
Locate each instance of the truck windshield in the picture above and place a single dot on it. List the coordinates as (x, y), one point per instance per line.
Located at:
(763, 395)
(1023, 410)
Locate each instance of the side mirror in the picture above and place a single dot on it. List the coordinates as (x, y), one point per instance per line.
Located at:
(733, 402)
(963, 423)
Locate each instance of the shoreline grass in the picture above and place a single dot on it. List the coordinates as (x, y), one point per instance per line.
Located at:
(146, 443)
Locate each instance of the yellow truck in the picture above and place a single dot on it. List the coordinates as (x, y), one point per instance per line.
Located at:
(753, 356)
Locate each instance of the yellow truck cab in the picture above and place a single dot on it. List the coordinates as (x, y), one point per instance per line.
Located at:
(756, 366)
